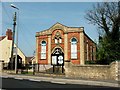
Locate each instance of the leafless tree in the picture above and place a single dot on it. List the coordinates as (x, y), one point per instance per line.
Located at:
(106, 15)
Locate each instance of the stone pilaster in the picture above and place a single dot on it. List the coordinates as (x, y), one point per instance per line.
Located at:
(49, 49)
(87, 52)
(82, 50)
(94, 52)
(36, 57)
(66, 46)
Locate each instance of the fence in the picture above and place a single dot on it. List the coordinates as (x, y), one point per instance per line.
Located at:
(38, 68)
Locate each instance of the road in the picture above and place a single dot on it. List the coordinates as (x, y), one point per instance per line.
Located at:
(24, 83)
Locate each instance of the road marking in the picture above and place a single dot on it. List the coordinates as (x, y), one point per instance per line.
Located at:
(19, 78)
(4, 76)
(58, 82)
(34, 80)
(1, 76)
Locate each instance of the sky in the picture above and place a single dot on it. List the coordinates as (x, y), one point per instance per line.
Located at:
(34, 17)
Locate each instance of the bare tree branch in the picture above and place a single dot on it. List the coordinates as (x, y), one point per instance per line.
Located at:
(106, 16)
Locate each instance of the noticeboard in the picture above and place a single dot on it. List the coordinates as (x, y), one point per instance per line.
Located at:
(54, 60)
(57, 58)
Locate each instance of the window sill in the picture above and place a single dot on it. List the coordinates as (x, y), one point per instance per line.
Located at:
(42, 59)
(74, 58)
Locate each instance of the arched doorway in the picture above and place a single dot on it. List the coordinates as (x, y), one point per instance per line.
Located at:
(57, 58)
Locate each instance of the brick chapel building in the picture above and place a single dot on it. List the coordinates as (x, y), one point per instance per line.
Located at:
(61, 43)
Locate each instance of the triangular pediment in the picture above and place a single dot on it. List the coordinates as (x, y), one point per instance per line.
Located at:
(57, 26)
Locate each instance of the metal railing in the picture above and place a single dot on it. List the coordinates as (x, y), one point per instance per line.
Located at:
(35, 68)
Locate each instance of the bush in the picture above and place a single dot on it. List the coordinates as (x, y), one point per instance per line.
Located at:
(90, 62)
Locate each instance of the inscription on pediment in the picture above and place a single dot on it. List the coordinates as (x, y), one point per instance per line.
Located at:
(57, 27)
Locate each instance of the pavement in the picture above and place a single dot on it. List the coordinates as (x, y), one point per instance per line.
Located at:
(62, 80)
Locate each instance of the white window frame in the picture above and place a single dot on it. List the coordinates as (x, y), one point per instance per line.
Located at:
(56, 41)
(73, 49)
(60, 40)
(43, 50)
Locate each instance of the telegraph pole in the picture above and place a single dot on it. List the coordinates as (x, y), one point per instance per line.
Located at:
(13, 37)
(14, 24)
(119, 14)
(119, 7)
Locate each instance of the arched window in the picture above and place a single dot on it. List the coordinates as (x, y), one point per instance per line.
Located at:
(43, 50)
(56, 41)
(73, 48)
(87, 50)
(58, 38)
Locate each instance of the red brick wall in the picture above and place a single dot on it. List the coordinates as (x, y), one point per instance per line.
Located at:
(41, 38)
(90, 43)
(70, 36)
(53, 41)
(77, 36)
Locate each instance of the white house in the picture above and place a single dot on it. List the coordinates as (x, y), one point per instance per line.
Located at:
(6, 46)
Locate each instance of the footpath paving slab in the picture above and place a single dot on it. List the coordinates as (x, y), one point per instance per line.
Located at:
(62, 80)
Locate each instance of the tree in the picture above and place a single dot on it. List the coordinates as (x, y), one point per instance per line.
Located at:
(108, 51)
(106, 16)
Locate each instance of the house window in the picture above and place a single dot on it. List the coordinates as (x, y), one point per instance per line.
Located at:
(73, 48)
(43, 50)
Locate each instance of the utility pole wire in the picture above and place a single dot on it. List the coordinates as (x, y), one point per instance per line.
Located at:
(6, 11)
(28, 44)
(26, 34)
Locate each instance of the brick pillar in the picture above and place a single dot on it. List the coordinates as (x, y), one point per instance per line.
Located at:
(67, 67)
(49, 49)
(117, 70)
(94, 52)
(66, 46)
(9, 34)
(82, 52)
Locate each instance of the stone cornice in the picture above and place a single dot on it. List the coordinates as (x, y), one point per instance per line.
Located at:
(59, 26)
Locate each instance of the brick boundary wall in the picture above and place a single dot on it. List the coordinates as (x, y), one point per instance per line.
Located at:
(97, 72)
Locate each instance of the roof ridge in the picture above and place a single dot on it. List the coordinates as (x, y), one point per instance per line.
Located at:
(2, 37)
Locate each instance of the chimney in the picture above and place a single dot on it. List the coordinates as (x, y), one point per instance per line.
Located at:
(9, 34)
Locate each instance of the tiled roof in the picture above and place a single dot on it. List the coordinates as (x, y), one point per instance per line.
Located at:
(2, 37)
(29, 59)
